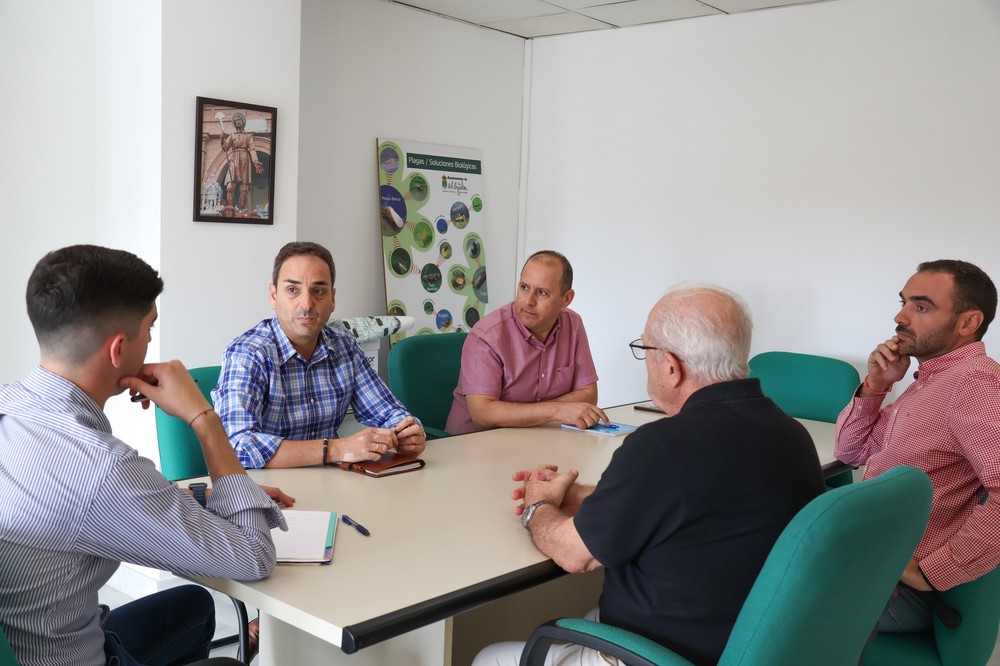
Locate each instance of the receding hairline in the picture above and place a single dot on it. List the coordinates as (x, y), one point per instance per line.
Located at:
(553, 258)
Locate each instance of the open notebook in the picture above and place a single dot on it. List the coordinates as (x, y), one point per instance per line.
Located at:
(309, 539)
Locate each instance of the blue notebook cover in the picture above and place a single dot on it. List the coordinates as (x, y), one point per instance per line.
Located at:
(613, 429)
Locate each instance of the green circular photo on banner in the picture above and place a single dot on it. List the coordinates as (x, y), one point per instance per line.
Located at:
(423, 234)
(396, 308)
(430, 278)
(400, 262)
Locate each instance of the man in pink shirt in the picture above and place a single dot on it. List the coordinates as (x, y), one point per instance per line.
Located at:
(528, 362)
(947, 423)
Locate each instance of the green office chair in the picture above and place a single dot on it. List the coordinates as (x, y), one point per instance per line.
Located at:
(969, 644)
(423, 374)
(180, 452)
(7, 656)
(807, 387)
(815, 602)
(181, 458)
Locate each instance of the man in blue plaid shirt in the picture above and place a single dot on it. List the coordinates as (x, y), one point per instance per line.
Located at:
(286, 383)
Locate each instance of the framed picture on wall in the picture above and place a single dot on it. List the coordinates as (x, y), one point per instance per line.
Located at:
(234, 162)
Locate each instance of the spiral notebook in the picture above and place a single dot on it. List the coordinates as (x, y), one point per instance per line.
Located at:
(309, 539)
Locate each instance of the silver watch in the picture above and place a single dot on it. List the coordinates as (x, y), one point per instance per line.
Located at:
(529, 511)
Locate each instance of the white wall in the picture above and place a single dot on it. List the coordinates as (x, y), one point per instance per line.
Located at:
(47, 173)
(125, 164)
(380, 70)
(807, 157)
(216, 274)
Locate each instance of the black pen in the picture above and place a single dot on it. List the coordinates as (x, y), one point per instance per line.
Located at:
(139, 397)
(358, 526)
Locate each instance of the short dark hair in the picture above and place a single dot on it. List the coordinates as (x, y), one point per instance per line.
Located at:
(551, 256)
(974, 290)
(298, 248)
(78, 294)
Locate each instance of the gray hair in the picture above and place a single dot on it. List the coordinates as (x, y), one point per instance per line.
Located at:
(707, 327)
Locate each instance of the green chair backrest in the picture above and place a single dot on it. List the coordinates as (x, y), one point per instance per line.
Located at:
(7, 656)
(973, 641)
(423, 374)
(969, 644)
(180, 452)
(817, 599)
(806, 386)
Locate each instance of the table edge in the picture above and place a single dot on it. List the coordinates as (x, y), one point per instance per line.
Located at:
(390, 625)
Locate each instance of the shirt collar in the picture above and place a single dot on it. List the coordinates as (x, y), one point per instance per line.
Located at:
(528, 336)
(287, 351)
(951, 359)
(736, 389)
(63, 392)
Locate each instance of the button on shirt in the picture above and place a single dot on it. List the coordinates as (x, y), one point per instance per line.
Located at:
(502, 359)
(947, 423)
(268, 392)
(75, 502)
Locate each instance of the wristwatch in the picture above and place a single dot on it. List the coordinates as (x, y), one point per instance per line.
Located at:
(529, 511)
(198, 490)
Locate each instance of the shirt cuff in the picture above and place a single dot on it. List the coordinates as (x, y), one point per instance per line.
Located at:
(234, 493)
(256, 449)
(941, 571)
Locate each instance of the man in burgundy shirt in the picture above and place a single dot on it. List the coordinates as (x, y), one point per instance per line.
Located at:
(528, 362)
(947, 423)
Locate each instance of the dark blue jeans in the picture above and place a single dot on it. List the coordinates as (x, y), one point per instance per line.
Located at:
(905, 613)
(170, 627)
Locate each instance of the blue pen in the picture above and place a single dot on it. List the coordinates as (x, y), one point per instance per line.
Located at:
(358, 526)
(608, 425)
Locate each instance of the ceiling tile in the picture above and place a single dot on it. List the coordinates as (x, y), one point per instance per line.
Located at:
(636, 12)
(484, 11)
(538, 18)
(579, 4)
(540, 26)
(733, 6)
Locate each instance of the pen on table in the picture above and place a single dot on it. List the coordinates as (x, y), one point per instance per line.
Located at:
(607, 424)
(358, 526)
(139, 397)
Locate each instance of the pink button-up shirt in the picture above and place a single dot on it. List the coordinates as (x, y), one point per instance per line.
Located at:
(947, 423)
(502, 359)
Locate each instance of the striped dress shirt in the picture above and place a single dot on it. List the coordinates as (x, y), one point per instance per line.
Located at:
(268, 392)
(947, 423)
(75, 502)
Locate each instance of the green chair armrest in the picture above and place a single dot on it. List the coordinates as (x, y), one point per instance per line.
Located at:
(629, 647)
(435, 433)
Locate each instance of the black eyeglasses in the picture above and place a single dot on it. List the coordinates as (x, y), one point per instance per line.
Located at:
(639, 350)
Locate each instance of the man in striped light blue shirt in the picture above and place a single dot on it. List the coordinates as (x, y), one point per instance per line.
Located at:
(286, 383)
(77, 501)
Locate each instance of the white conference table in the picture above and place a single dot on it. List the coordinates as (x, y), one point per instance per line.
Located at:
(443, 540)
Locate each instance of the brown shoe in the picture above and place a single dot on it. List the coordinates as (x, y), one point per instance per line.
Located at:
(253, 639)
